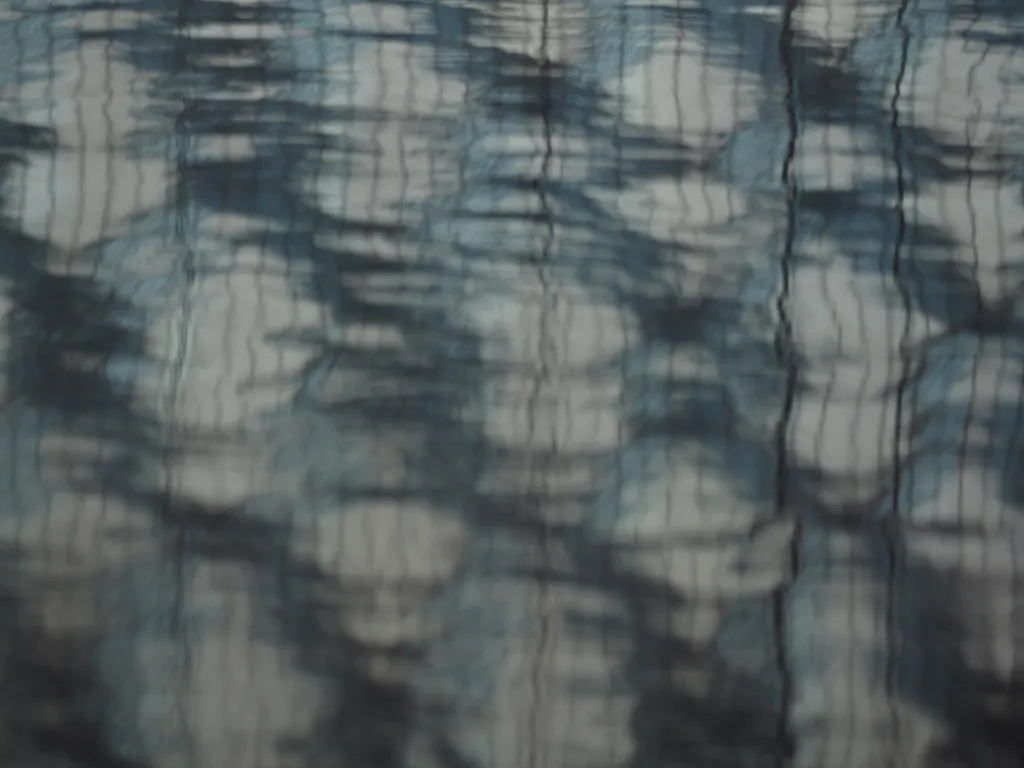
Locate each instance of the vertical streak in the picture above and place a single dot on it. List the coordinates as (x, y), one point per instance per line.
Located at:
(784, 354)
(889, 535)
(538, 670)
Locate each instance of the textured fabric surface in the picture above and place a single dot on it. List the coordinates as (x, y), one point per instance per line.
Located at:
(511, 383)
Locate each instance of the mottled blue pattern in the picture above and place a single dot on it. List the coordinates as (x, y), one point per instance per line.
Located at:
(511, 383)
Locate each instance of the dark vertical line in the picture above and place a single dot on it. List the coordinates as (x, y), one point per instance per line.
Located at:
(889, 532)
(785, 356)
(1009, 463)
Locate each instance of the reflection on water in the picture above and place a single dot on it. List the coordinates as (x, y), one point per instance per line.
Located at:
(511, 383)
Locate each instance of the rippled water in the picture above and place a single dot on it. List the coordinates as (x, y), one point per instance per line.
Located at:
(511, 383)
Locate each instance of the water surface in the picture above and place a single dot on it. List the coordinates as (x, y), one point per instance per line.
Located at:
(511, 383)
